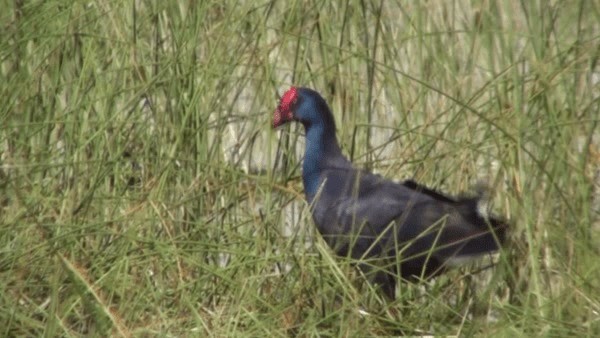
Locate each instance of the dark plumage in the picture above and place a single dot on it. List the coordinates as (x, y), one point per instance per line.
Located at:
(396, 229)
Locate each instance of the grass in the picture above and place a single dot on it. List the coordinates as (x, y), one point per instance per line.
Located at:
(145, 194)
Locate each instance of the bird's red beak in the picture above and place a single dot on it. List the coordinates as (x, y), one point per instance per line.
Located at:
(281, 117)
(283, 113)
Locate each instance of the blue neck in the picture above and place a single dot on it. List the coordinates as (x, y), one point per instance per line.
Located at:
(311, 168)
(322, 151)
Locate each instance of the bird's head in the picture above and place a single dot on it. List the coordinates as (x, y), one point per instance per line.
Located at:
(303, 105)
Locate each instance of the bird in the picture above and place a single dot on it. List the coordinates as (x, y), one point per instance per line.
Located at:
(393, 230)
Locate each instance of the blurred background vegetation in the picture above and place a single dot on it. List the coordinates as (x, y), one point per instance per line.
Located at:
(144, 193)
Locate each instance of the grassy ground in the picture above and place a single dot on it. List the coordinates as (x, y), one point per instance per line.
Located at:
(143, 192)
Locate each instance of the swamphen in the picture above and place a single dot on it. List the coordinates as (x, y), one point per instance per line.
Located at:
(395, 229)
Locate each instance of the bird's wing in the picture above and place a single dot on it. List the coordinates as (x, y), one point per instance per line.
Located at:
(373, 214)
(359, 207)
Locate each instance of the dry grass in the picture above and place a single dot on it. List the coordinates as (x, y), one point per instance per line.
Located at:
(144, 193)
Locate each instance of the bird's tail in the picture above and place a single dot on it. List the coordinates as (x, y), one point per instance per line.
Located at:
(489, 231)
(486, 232)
